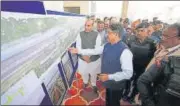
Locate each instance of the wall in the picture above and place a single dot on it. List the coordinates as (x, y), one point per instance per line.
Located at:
(108, 8)
(124, 9)
(165, 10)
(92, 7)
(84, 6)
(53, 5)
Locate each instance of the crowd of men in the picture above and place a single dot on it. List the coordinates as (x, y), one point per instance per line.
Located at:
(133, 60)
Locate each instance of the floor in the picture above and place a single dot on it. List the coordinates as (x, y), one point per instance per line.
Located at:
(77, 95)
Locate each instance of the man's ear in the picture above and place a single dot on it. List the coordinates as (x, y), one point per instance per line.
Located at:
(179, 37)
(174, 31)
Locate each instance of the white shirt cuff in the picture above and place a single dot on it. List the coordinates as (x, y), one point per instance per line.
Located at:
(110, 77)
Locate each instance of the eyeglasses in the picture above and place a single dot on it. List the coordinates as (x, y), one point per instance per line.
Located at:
(165, 37)
(88, 25)
(141, 30)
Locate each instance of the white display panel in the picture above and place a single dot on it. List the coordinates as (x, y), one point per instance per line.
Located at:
(33, 42)
(67, 66)
(74, 56)
(54, 83)
(55, 86)
(26, 91)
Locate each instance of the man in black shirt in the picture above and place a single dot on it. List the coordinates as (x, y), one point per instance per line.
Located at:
(143, 49)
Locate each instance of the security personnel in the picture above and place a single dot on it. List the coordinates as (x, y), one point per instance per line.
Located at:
(163, 71)
(143, 50)
(116, 64)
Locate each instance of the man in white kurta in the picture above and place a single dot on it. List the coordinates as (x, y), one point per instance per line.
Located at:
(89, 64)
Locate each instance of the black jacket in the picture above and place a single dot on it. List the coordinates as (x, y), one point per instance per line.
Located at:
(164, 78)
(153, 74)
(142, 52)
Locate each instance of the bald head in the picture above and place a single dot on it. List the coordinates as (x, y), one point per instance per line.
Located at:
(89, 25)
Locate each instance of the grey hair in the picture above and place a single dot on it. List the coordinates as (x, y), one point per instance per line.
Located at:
(117, 28)
(177, 27)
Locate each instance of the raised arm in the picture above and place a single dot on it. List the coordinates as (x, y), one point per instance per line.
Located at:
(96, 51)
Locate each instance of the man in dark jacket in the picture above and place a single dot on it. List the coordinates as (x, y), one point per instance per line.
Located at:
(143, 50)
(163, 71)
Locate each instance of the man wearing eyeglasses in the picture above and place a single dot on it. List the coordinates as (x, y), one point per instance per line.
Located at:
(116, 64)
(143, 50)
(163, 71)
(89, 64)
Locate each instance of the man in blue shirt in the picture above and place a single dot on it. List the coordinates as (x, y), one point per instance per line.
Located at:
(116, 64)
(143, 49)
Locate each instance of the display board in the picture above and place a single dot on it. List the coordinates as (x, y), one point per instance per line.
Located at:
(67, 67)
(74, 57)
(34, 42)
(23, 92)
(55, 86)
